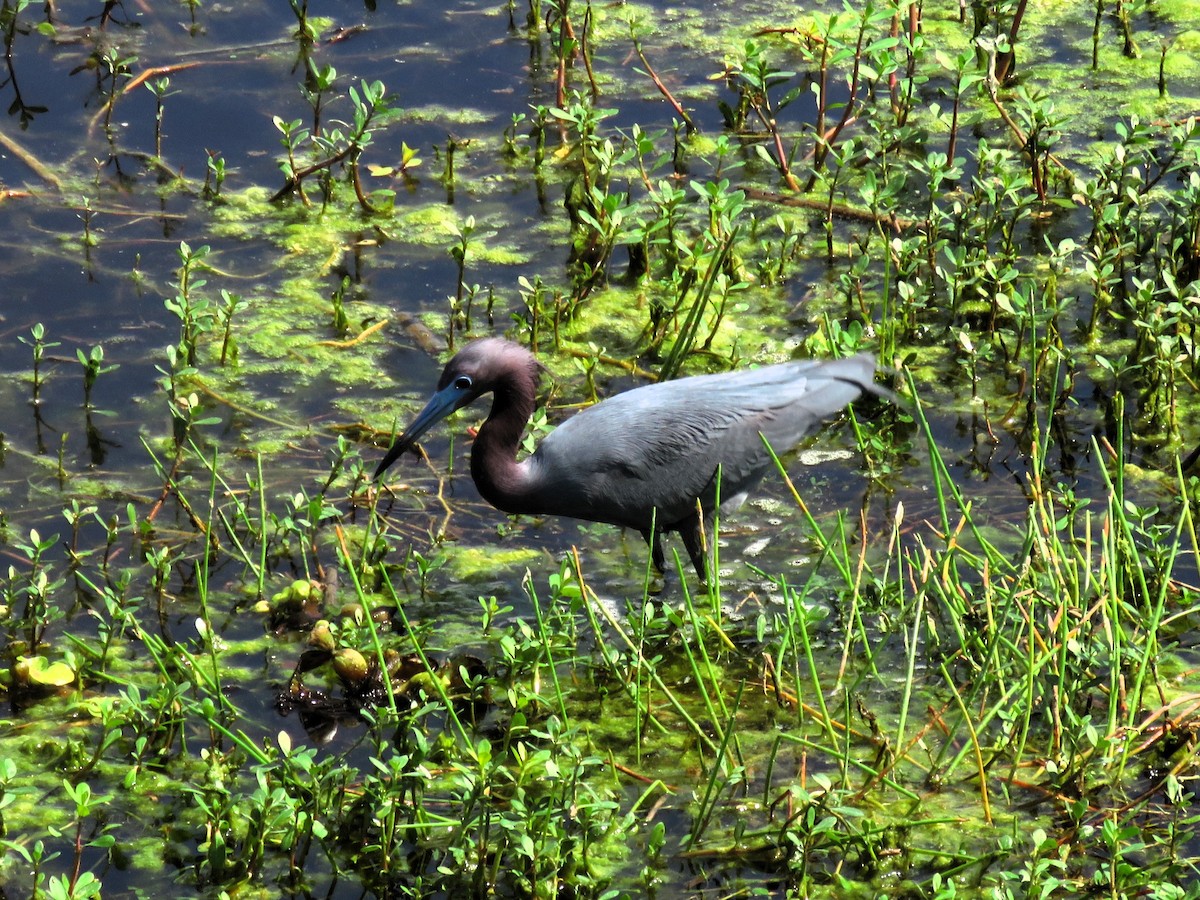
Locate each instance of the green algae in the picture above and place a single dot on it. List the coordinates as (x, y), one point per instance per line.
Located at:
(457, 116)
(290, 352)
(432, 223)
(472, 565)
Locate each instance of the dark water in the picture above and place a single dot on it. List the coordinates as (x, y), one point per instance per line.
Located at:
(458, 71)
(240, 66)
(455, 70)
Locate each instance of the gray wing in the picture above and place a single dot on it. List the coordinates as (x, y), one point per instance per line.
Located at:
(659, 447)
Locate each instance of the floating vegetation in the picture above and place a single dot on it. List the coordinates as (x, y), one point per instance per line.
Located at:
(242, 239)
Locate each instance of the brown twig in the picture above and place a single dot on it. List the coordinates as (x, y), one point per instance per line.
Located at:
(586, 52)
(821, 148)
(638, 776)
(204, 389)
(30, 160)
(361, 336)
(841, 210)
(356, 180)
(566, 32)
(663, 89)
(169, 488)
(146, 74)
(294, 181)
(1007, 61)
(1020, 135)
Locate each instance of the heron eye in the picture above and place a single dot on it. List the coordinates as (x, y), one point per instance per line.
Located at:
(463, 382)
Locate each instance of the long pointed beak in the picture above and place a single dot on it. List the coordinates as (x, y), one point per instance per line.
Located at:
(439, 406)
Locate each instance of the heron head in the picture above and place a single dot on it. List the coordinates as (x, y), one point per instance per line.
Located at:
(483, 366)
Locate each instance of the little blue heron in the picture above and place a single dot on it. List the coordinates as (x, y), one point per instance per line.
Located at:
(643, 458)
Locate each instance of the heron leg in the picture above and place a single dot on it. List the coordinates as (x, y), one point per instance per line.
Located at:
(656, 550)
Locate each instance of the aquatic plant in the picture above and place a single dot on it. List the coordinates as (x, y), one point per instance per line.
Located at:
(39, 345)
(239, 667)
(344, 143)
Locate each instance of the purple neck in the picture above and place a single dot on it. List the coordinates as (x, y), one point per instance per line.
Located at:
(501, 480)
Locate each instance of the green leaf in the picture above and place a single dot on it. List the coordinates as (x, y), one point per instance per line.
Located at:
(39, 670)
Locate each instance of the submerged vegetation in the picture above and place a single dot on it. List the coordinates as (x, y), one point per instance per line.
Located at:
(233, 666)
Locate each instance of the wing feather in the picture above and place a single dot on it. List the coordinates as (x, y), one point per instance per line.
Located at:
(659, 447)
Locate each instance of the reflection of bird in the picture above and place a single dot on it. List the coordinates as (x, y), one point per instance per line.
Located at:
(643, 458)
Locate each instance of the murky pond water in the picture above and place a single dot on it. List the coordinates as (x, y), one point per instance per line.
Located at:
(864, 712)
(97, 272)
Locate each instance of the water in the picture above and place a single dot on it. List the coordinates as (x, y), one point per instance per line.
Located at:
(233, 72)
(90, 249)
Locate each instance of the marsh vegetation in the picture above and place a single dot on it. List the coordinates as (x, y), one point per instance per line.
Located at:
(956, 657)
